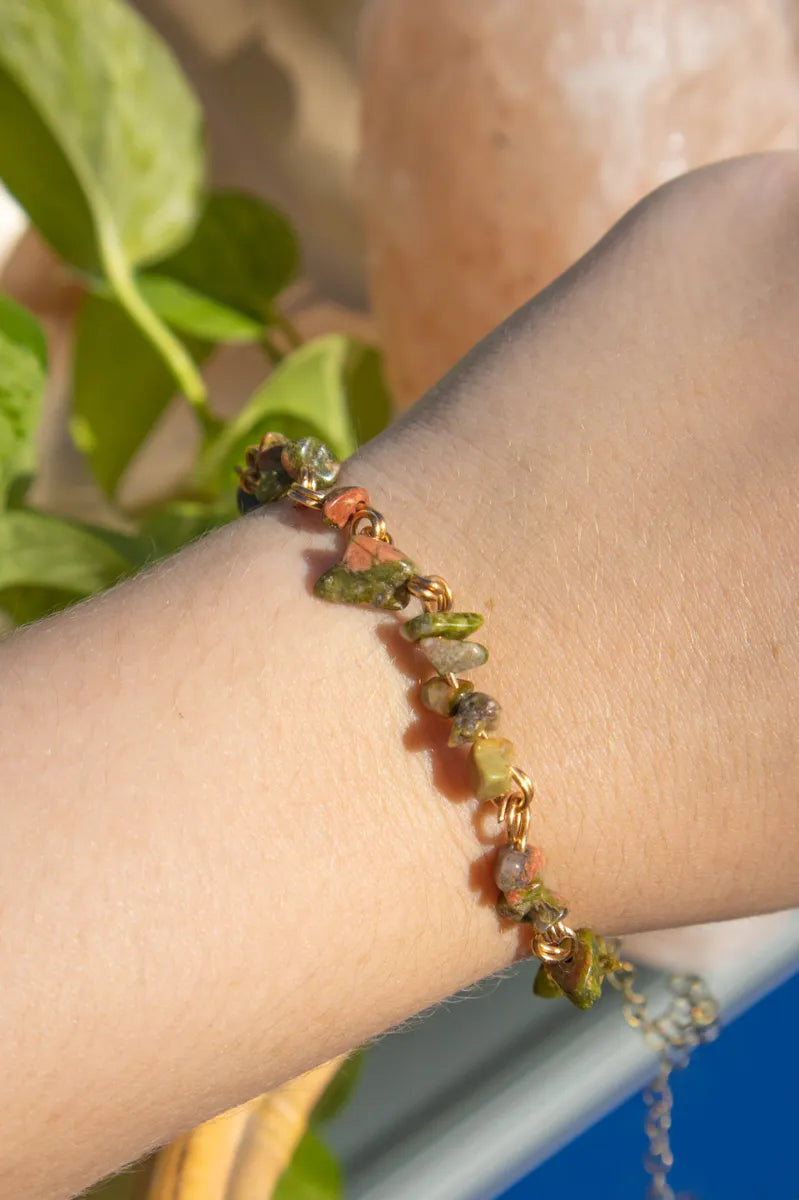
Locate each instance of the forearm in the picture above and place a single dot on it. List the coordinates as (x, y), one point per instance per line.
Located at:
(221, 862)
(234, 847)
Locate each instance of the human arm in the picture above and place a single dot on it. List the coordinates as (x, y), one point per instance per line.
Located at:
(225, 855)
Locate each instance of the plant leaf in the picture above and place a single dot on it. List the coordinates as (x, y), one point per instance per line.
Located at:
(369, 399)
(17, 496)
(312, 1174)
(26, 604)
(320, 389)
(242, 253)
(118, 1187)
(99, 132)
(120, 387)
(168, 529)
(42, 551)
(23, 370)
(339, 1091)
(191, 312)
(130, 1184)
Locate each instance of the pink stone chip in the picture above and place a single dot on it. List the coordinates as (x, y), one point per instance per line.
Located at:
(342, 504)
(516, 869)
(365, 551)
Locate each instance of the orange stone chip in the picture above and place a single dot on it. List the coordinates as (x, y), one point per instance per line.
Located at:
(341, 505)
(364, 552)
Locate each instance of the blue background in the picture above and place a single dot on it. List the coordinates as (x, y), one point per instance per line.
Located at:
(736, 1122)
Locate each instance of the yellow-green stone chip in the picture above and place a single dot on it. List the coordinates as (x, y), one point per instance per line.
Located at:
(490, 765)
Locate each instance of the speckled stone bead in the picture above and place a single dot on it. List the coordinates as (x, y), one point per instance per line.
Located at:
(272, 485)
(473, 714)
(514, 868)
(529, 902)
(580, 976)
(439, 696)
(545, 987)
(450, 658)
(264, 476)
(452, 625)
(341, 505)
(372, 572)
(547, 910)
(309, 454)
(246, 501)
(517, 904)
(490, 765)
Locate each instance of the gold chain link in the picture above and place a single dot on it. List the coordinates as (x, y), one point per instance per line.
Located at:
(690, 1019)
(306, 495)
(514, 808)
(371, 522)
(555, 943)
(434, 592)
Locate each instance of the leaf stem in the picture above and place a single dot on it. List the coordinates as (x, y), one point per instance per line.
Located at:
(271, 351)
(160, 336)
(289, 330)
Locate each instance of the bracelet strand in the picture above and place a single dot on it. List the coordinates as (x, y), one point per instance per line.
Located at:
(374, 573)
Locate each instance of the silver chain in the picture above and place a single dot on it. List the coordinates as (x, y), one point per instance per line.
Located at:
(690, 1019)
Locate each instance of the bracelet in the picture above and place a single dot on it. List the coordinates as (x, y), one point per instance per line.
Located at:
(374, 572)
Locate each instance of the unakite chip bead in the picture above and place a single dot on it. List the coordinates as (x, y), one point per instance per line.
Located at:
(272, 481)
(473, 714)
(490, 765)
(371, 572)
(439, 696)
(380, 586)
(450, 658)
(581, 976)
(452, 625)
(309, 454)
(545, 987)
(514, 868)
(533, 903)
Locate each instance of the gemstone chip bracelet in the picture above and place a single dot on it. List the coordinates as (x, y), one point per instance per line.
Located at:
(373, 572)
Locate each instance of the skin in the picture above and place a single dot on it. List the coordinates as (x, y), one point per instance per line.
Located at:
(234, 847)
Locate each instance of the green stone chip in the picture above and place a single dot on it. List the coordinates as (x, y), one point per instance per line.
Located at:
(453, 625)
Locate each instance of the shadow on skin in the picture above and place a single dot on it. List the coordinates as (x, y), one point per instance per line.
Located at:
(427, 732)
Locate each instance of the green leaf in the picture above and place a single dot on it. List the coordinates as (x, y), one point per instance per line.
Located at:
(368, 395)
(312, 1174)
(42, 551)
(242, 254)
(18, 489)
(118, 1187)
(26, 604)
(99, 132)
(338, 1092)
(23, 370)
(100, 142)
(120, 387)
(191, 312)
(328, 388)
(130, 1184)
(167, 530)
